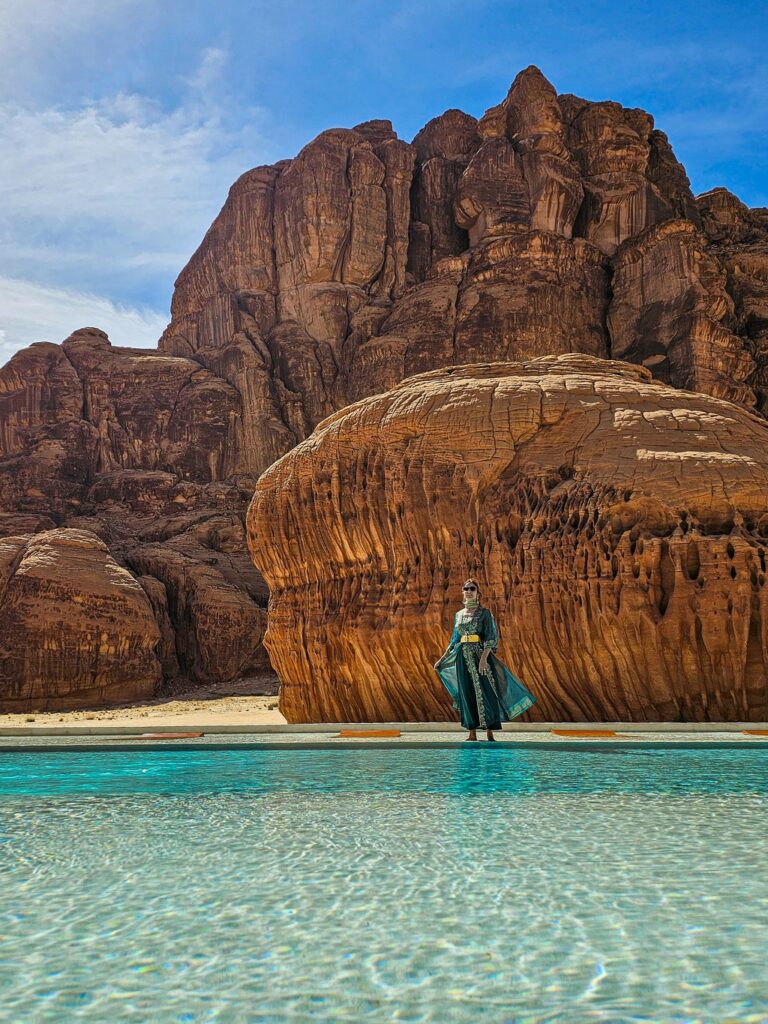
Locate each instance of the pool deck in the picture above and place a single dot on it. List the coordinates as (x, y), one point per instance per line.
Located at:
(233, 732)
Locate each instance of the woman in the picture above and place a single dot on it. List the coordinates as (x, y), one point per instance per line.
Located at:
(483, 690)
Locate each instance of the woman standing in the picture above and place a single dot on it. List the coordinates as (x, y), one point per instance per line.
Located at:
(483, 690)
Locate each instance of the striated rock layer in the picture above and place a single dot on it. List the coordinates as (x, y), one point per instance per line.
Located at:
(69, 613)
(618, 527)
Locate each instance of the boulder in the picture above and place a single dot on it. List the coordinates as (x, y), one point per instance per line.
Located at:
(618, 527)
(76, 629)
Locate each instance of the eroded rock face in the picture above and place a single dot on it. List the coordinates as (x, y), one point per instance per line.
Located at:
(72, 413)
(331, 276)
(224, 626)
(671, 311)
(76, 629)
(190, 541)
(550, 225)
(443, 147)
(618, 527)
(738, 240)
(131, 446)
(298, 251)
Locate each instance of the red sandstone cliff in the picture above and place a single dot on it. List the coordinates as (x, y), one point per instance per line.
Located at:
(551, 225)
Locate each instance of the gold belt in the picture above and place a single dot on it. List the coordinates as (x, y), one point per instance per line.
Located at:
(470, 638)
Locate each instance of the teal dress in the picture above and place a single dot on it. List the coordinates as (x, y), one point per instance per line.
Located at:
(485, 700)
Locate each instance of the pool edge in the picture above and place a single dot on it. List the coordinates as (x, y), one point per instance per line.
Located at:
(551, 745)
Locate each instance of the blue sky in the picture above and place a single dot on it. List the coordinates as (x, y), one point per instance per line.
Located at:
(123, 122)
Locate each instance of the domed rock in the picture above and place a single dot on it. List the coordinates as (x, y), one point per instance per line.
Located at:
(76, 629)
(618, 527)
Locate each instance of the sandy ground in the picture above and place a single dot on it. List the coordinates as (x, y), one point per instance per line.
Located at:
(249, 701)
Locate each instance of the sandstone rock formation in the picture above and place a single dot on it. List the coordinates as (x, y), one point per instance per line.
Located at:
(551, 225)
(70, 613)
(671, 310)
(738, 240)
(130, 446)
(618, 527)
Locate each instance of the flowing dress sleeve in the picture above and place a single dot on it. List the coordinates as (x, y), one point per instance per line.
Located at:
(490, 632)
(455, 635)
(446, 666)
(513, 696)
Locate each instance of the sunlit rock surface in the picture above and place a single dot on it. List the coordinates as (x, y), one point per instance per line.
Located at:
(618, 527)
(551, 224)
(366, 259)
(76, 629)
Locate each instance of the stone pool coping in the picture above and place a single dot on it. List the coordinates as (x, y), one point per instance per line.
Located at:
(412, 734)
(520, 729)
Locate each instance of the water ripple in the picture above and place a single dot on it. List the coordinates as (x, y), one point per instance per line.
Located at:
(424, 886)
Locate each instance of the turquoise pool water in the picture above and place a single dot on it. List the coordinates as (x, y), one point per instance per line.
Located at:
(424, 885)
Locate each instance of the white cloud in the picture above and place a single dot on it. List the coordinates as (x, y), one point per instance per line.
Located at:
(115, 158)
(116, 167)
(212, 63)
(36, 35)
(29, 312)
(112, 198)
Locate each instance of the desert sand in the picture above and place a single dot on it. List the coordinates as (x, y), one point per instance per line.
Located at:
(248, 701)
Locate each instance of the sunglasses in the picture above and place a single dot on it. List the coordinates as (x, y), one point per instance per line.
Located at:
(469, 588)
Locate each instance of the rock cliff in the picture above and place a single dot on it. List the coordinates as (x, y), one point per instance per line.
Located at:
(130, 450)
(551, 225)
(618, 528)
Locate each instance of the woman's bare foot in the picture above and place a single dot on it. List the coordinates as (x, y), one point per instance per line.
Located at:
(472, 735)
(490, 736)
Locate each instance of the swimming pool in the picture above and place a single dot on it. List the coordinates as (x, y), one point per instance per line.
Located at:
(425, 885)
